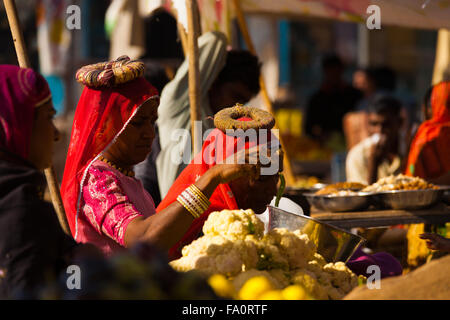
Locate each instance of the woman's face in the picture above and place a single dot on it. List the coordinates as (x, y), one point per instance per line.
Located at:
(44, 134)
(135, 142)
(255, 195)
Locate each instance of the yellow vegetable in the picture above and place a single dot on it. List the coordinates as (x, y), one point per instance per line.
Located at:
(294, 292)
(254, 288)
(272, 295)
(221, 286)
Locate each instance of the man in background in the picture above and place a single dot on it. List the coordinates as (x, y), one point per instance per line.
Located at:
(378, 155)
(226, 78)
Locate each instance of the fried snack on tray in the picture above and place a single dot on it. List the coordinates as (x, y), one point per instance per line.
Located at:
(341, 188)
(399, 182)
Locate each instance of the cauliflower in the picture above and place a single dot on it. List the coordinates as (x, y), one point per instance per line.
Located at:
(294, 246)
(282, 276)
(216, 254)
(323, 277)
(308, 281)
(234, 224)
(319, 259)
(234, 249)
(270, 257)
(341, 276)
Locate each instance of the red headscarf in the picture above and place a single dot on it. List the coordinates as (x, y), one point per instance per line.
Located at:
(428, 155)
(217, 147)
(101, 115)
(21, 90)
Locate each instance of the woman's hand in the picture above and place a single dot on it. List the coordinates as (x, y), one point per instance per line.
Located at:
(243, 163)
(436, 242)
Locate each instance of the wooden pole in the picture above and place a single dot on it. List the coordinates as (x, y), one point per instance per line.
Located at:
(287, 169)
(183, 38)
(16, 31)
(194, 73)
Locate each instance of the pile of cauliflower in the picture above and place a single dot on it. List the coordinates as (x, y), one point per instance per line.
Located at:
(234, 245)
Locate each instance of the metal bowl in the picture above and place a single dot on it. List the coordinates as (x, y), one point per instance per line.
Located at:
(333, 243)
(445, 194)
(359, 201)
(409, 199)
(295, 190)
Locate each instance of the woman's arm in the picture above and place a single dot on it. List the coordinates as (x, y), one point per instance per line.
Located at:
(167, 227)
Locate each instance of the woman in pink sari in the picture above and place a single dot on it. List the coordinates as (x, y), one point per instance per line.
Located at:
(113, 130)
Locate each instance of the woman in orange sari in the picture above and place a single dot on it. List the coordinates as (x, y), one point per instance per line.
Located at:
(429, 159)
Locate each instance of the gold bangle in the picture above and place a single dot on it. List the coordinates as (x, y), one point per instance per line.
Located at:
(197, 191)
(187, 207)
(198, 200)
(183, 202)
(193, 201)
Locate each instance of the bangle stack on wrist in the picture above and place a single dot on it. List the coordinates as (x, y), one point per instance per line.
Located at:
(194, 201)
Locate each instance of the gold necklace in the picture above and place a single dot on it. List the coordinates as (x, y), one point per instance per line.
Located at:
(126, 172)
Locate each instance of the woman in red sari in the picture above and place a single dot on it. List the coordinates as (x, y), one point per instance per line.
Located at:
(429, 159)
(428, 156)
(112, 131)
(243, 193)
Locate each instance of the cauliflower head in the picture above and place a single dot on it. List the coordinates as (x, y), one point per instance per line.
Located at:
(234, 224)
(295, 247)
(309, 282)
(341, 276)
(216, 254)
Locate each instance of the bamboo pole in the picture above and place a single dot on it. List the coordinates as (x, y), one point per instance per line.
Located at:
(16, 31)
(287, 169)
(194, 73)
(183, 38)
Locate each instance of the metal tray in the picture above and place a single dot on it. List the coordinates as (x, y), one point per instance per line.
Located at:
(333, 243)
(332, 203)
(446, 194)
(409, 199)
(314, 188)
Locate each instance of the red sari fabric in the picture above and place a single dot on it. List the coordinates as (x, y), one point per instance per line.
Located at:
(217, 147)
(21, 90)
(101, 115)
(428, 156)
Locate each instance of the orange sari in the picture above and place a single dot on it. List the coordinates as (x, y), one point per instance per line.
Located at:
(428, 156)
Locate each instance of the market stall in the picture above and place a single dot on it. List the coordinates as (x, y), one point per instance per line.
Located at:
(391, 201)
(384, 218)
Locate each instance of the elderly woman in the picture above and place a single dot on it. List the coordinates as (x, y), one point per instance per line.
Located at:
(242, 193)
(112, 131)
(32, 244)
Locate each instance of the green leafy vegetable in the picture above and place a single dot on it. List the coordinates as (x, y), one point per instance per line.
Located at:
(280, 190)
